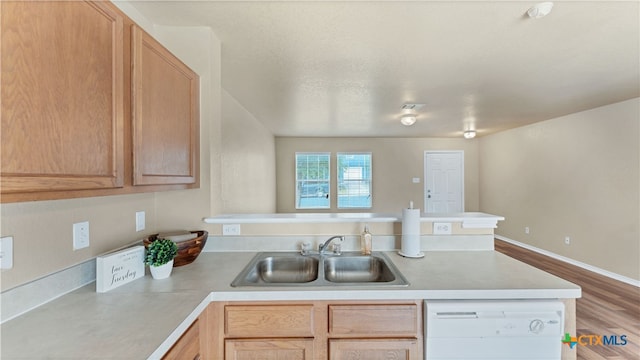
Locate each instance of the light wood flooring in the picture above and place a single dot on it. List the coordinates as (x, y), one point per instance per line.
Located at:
(607, 307)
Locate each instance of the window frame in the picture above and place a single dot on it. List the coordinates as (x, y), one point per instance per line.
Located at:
(298, 186)
(369, 179)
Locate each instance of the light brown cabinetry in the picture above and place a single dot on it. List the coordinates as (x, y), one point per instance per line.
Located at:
(188, 346)
(279, 331)
(67, 96)
(269, 320)
(62, 97)
(318, 330)
(373, 349)
(195, 342)
(165, 115)
(268, 349)
(374, 331)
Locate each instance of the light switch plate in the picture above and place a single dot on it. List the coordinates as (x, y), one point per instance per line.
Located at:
(80, 235)
(140, 220)
(440, 228)
(6, 252)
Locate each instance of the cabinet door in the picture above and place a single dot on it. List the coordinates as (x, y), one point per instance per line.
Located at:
(269, 349)
(61, 97)
(374, 349)
(165, 115)
(188, 346)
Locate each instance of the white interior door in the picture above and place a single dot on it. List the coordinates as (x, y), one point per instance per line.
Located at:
(444, 181)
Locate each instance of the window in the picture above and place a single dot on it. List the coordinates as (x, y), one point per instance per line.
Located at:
(354, 180)
(312, 181)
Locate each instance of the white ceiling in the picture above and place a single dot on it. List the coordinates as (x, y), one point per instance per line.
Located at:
(344, 68)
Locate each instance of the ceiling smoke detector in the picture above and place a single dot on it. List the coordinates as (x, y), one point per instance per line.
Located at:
(540, 10)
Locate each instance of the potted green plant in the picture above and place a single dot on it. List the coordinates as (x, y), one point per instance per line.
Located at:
(159, 257)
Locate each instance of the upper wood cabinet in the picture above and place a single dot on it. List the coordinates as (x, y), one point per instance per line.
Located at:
(91, 105)
(165, 115)
(62, 97)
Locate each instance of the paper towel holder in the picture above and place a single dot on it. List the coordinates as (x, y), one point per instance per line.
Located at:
(410, 241)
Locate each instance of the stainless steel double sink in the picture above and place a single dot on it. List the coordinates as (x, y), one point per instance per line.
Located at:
(294, 269)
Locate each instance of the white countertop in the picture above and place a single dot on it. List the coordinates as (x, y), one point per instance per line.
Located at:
(142, 319)
(468, 219)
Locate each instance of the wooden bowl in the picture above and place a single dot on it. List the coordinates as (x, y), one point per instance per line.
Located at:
(188, 250)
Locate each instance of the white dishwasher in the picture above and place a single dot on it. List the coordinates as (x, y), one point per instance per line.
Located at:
(496, 330)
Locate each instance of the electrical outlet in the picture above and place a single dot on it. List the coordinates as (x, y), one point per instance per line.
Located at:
(80, 235)
(526, 230)
(6, 252)
(231, 229)
(416, 180)
(567, 240)
(441, 228)
(140, 220)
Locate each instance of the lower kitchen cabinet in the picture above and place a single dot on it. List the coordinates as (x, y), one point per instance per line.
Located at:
(249, 321)
(374, 331)
(269, 349)
(373, 349)
(188, 346)
(319, 330)
(373, 320)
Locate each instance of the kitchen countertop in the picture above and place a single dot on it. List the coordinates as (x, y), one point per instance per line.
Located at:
(144, 318)
(468, 219)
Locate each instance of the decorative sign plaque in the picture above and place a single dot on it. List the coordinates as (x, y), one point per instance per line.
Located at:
(119, 268)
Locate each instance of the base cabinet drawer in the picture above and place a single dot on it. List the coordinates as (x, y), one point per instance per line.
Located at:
(372, 320)
(373, 349)
(248, 321)
(268, 349)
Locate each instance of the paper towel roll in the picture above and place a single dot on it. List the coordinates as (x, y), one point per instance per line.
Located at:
(410, 246)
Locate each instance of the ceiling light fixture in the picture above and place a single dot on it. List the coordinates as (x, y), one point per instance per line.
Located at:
(412, 106)
(469, 134)
(540, 10)
(408, 119)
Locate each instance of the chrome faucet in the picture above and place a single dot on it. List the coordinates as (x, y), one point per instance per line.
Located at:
(323, 247)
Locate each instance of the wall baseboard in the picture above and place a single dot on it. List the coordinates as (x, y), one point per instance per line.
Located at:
(597, 270)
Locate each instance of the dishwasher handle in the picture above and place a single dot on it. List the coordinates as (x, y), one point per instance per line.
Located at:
(457, 315)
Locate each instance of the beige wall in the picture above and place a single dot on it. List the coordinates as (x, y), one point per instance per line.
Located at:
(42, 231)
(576, 176)
(248, 161)
(395, 162)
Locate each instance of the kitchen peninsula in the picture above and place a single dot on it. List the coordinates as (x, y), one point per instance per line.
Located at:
(143, 319)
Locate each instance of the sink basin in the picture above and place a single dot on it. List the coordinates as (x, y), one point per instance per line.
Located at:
(294, 269)
(281, 269)
(358, 269)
